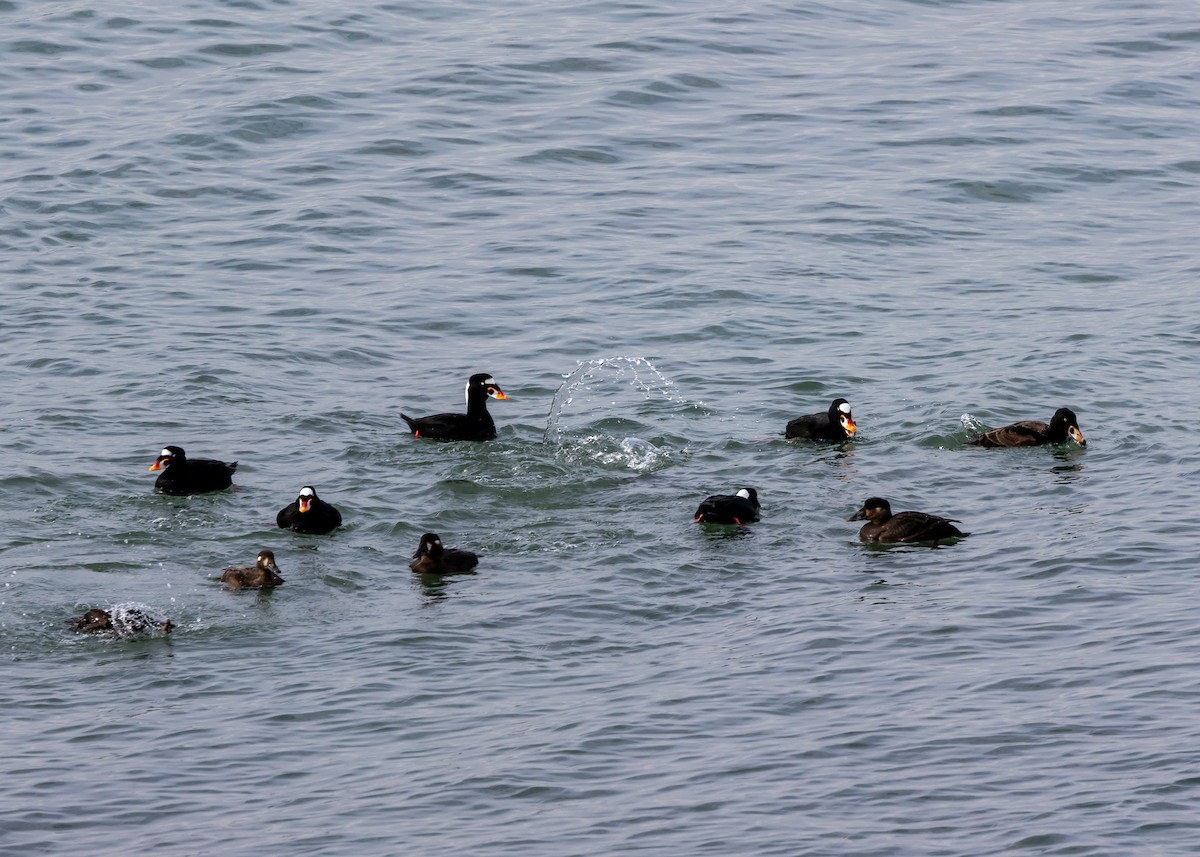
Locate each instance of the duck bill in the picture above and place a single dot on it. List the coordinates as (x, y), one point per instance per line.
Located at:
(304, 502)
(157, 465)
(848, 425)
(860, 515)
(1076, 435)
(497, 393)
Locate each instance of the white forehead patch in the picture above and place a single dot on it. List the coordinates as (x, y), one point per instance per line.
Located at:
(844, 407)
(491, 381)
(307, 492)
(166, 452)
(744, 494)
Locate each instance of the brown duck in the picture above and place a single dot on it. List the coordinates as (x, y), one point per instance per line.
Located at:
(1063, 426)
(432, 558)
(262, 575)
(883, 526)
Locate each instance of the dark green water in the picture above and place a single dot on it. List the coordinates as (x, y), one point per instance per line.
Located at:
(260, 231)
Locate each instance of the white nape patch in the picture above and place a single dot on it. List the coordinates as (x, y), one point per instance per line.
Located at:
(844, 407)
(744, 494)
(307, 492)
(467, 392)
(165, 452)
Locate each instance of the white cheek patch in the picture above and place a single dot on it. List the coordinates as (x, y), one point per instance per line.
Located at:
(307, 492)
(844, 407)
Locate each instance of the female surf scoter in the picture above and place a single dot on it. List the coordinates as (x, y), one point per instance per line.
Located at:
(883, 526)
(432, 558)
(739, 508)
(120, 622)
(835, 425)
(475, 424)
(263, 575)
(1063, 425)
(181, 475)
(308, 513)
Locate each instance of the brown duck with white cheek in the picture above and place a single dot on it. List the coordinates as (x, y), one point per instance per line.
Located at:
(833, 426)
(883, 526)
(264, 574)
(1063, 427)
(432, 558)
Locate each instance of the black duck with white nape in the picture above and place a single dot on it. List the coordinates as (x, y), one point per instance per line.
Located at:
(738, 508)
(432, 558)
(308, 513)
(832, 426)
(903, 527)
(1063, 426)
(182, 476)
(475, 424)
(264, 574)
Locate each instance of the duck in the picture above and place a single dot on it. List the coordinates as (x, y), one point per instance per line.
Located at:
(432, 558)
(740, 508)
(181, 475)
(264, 574)
(308, 513)
(120, 622)
(883, 526)
(1063, 426)
(833, 426)
(475, 424)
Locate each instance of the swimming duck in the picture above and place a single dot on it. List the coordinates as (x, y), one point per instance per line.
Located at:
(308, 513)
(883, 526)
(834, 425)
(263, 575)
(181, 475)
(475, 424)
(120, 622)
(432, 558)
(739, 508)
(1063, 425)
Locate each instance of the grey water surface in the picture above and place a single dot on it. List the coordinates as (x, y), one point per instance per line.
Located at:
(259, 230)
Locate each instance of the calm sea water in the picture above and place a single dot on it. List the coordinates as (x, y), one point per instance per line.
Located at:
(259, 230)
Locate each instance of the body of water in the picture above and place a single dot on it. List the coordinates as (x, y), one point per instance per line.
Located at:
(260, 230)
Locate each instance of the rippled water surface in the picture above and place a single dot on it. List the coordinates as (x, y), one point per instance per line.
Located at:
(258, 230)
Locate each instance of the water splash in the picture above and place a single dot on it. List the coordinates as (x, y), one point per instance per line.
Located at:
(598, 440)
(971, 424)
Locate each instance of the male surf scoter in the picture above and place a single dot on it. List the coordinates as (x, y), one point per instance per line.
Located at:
(181, 475)
(883, 526)
(475, 424)
(1063, 425)
(308, 513)
(262, 575)
(120, 622)
(739, 508)
(432, 558)
(832, 426)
